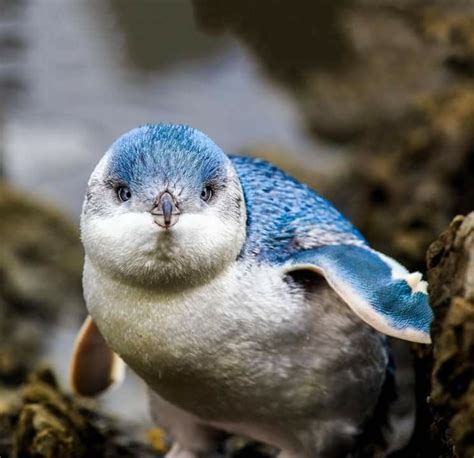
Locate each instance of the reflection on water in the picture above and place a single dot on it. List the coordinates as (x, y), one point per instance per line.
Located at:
(93, 70)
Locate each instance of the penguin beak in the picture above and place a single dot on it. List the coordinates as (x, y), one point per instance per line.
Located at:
(165, 212)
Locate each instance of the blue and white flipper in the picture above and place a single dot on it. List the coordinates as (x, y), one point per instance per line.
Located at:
(377, 288)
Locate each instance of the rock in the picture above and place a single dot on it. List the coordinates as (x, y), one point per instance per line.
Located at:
(41, 256)
(445, 425)
(451, 274)
(40, 277)
(41, 421)
(352, 64)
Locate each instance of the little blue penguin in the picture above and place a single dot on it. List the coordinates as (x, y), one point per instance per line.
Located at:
(245, 301)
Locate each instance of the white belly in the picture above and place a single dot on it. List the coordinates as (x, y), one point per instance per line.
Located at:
(244, 342)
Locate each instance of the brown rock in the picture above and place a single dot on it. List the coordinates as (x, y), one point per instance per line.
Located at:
(40, 277)
(446, 369)
(41, 421)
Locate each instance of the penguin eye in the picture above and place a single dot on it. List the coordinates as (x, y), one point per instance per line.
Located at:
(124, 193)
(206, 193)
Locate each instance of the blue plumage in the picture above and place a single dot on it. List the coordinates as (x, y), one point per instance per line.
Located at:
(287, 223)
(240, 296)
(368, 285)
(282, 211)
(165, 153)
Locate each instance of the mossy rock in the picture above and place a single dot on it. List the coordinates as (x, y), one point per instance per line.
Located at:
(40, 277)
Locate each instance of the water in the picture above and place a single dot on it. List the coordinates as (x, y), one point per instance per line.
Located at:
(86, 79)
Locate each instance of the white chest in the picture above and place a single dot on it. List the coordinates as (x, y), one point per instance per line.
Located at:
(247, 341)
(157, 332)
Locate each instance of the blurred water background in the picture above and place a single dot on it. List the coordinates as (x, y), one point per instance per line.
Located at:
(77, 73)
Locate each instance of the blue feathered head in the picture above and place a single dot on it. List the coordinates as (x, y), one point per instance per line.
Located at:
(166, 154)
(164, 205)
